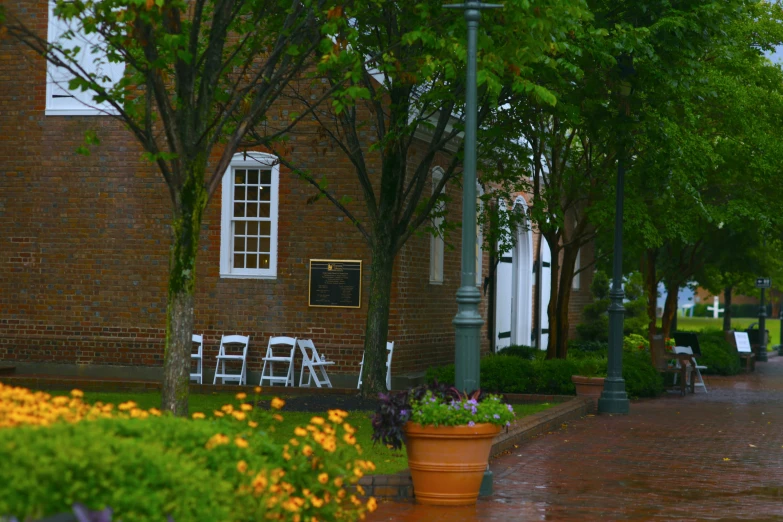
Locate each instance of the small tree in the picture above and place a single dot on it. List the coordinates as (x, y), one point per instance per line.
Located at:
(198, 76)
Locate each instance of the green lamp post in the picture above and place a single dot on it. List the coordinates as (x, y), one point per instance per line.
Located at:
(467, 323)
(614, 399)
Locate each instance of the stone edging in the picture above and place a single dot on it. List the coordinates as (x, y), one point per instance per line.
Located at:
(399, 486)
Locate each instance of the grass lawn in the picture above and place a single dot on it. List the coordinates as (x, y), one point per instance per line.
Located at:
(695, 324)
(386, 460)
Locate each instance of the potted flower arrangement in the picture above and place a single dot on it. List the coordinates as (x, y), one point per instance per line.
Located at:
(590, 380)
(448, 436)
(669, 344)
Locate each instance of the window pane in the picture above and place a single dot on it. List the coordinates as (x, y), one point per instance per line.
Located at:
(239, 244)
(252, 210)
(239, 261)
(265, 228)
(252, 261)
(239, 176)
(252, 177)
(264, 244)
(264, 261)
(239, 210)
(266, 177)
(239, 227)
(252, 193)
(264, 210)
(252, 244)
(265, 193)
(239, 193)
(252, 228)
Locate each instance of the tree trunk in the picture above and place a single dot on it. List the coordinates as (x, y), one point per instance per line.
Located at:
(564, 300)
(551, 309)
(185, 230)
(651, 289)
(669, 308)
(377, 329)
(727, 308)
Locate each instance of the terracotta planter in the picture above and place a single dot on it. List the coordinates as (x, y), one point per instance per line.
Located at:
(447, 463)
(590, 387)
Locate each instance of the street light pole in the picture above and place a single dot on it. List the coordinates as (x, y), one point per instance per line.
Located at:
(762, 356)
(468, 321)
(613, 398)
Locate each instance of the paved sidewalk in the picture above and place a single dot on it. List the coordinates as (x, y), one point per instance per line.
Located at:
(715, 456)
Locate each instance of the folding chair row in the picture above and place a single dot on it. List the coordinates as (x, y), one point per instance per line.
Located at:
(390, 352)
(312, 362)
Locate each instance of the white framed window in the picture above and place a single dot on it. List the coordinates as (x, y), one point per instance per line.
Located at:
(436, 240)
(248, 231)
(576, 281)
(62, 101)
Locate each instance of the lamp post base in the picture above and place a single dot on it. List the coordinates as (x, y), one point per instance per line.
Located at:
(613, 399)
(486, 484)
(762, 355)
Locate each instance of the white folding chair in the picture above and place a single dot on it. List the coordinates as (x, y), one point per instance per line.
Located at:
(310, 361)
(198, 357)
(224, 356)
(270, 359)
(695, 367)
(390, 350)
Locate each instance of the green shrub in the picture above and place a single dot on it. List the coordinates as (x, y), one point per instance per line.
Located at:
(444, 374)
(553, 376)
(525, 352)
(717, 354)
(580, 348)
(641, 377)
(506, 374)
(593, 366)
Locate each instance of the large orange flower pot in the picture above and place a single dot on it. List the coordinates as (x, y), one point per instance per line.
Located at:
(447, 463)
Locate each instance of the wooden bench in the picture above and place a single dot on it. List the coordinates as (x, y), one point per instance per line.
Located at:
(741, 342)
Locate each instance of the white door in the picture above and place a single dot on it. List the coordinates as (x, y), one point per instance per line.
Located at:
(503, 300)
(514, 287)
(546, 291)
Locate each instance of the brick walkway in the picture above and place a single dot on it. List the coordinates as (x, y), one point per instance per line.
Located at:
(716, 456)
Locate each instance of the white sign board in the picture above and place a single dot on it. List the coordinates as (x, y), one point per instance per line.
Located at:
(743, 342)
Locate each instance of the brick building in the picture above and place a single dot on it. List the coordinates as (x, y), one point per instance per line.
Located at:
(84, 252)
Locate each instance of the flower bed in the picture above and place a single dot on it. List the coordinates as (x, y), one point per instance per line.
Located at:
(57, 451)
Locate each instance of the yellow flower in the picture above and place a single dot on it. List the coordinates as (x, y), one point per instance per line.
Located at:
(257, 389)
(350, 439)
(350, 429)
(293, 442)
(241, 396)
(252, 424)
(77, 393)
(217, 413)
(240, 442)
(323, 478)
(127, 405)
(316, 502)
(299, 432)
(286, 455)
(317, 420)
(198, 415)
(277, 417)
(216, 440)
(239, 415)
(354, 500)
(241, 466)
(277, 403)
(259, 483)
(246, 407)
(358, 472)
(360, 490)
(227, 408)
(372, 504)
(307, 451)
(338, 482)
(154, 411)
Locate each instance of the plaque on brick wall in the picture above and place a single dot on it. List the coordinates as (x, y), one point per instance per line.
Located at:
(336, 283)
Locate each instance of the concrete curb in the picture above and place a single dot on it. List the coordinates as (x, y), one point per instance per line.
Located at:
(399, 487)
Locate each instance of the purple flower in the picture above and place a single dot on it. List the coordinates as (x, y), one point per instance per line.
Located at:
(510, 408)
(473, 401)
(496, 416)
(508, 423)
(473, 410)
(471, 424)
(403, 412)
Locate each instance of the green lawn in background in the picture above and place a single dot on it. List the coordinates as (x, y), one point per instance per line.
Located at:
(695, 324)
(386, 461)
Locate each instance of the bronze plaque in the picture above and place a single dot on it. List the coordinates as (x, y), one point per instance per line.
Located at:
(336, 283)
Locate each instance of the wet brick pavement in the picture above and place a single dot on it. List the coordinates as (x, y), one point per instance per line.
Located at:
(715, 456)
